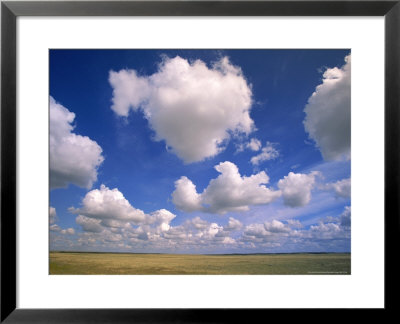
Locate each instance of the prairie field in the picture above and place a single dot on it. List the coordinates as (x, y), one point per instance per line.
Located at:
(82, 263)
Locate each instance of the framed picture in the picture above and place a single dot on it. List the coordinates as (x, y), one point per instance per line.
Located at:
(195, 154)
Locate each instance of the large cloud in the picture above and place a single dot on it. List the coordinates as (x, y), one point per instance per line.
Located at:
(296, 188)
(228, 192)
(194, 108)
(328, 113)
(73, 158)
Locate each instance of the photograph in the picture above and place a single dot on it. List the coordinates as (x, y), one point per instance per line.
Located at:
(199, 161)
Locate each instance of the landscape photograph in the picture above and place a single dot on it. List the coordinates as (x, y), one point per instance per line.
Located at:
(199, 161)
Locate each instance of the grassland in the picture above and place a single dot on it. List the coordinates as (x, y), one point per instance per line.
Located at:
(181, 264)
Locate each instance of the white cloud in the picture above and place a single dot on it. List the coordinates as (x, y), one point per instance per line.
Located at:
(233, 224)
(342, 188)
(69, 231)
(296, 188)
(276, 227)
(161, 218)
(55, 228)
(192, 107)
(268, 152)
(109, 205)
(107, 215)
(199, 235)
(254, 144)
(185, 196)
(197, 223)
(325, 231)
(154, 232)
(73, 158)
(52, 215)
(291, 236)
(228, 192)
(255, 233)
(328, 113)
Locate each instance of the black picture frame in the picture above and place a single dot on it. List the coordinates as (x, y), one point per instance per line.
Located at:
(10, 10)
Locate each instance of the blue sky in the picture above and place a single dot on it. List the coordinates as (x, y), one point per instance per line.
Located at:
(200, 151)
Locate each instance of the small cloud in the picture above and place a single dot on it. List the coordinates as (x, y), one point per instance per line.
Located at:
(69, 231)
(342, 188)
(254, 144)
(52, 215)
(233, 224)
(296, 188)
(55, 228)
(268, 152)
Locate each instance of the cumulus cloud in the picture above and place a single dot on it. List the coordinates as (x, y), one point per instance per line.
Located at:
(109, 217)
(268, 152)
(110, 207)
(342, 188)
(326, 231)
(73, 158)
(291, 235)
(228, 192)
(328, 114)
(193, 108)
(255, 232)
(296, 188)
(161, 219)
(233, 224)
(276, 227)
(199, 235)
(269, 234)
(185, 196)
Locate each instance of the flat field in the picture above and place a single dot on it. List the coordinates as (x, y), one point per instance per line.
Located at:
(81, 263)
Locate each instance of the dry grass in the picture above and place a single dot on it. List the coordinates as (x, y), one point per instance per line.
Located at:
(149, 264)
